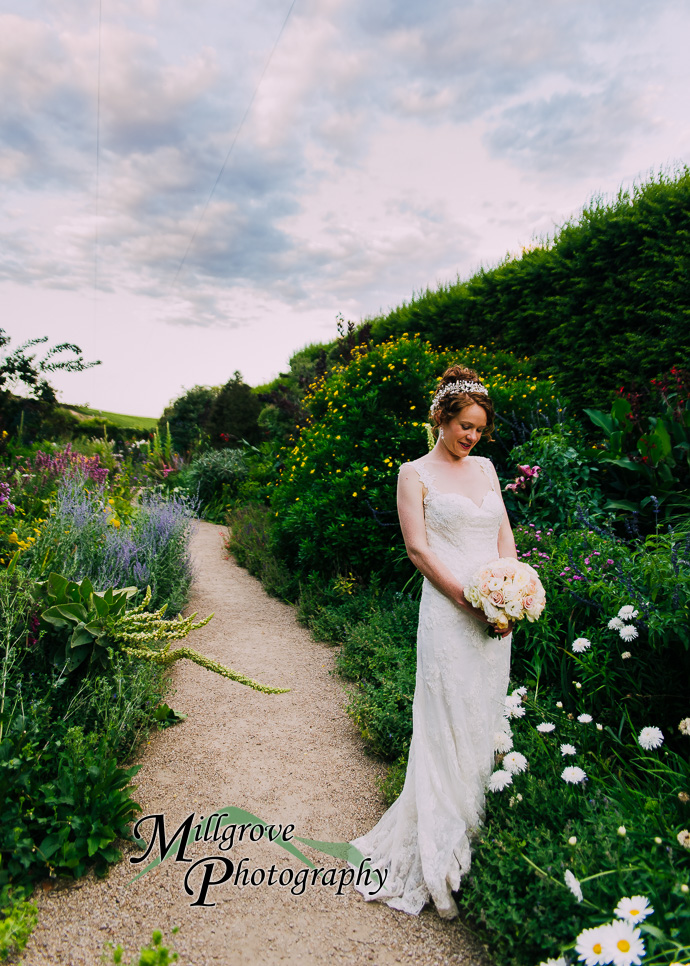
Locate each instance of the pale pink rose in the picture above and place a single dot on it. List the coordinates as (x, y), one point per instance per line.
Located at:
(484, 588)
(497, 598)
(528, 601)
(535, 609)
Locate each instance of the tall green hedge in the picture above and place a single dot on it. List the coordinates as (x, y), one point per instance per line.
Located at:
(606, 303)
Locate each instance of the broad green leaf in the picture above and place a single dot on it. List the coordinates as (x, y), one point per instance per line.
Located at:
(621, 505)
(601, 419)
(57, 585)
(81, 638)
(620, 410)
(73, 612)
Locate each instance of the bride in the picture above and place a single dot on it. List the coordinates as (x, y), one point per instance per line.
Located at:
(453, 521)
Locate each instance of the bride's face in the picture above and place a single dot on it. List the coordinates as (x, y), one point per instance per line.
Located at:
(464, 430)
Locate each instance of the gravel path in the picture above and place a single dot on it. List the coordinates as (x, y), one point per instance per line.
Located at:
(292, 758)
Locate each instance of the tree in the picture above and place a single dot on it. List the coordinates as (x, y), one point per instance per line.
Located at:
(234, 415)
(19, 368)
(188, 416)
(36, 409)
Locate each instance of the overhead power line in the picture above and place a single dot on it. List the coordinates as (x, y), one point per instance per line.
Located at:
(232, 146)
(98, 152)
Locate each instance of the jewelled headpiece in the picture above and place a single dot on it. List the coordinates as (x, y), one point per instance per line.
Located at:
(453, 387)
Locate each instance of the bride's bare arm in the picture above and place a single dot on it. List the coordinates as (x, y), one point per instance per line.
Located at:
(411, 514)
(506, 540)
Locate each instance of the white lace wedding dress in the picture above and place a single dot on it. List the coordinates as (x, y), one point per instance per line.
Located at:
(462, 677)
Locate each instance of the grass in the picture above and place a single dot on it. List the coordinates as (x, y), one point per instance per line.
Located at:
(118, 419)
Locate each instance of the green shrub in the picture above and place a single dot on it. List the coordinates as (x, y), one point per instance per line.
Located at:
(234, 415)
(153, 954)
(216, 475)
(589, 574)
(18, 918)
(647, 460)
(614, 830)
(378, 633)
(63, 802)
(188, 417)
(249, 541)
(334, 504)
(568, 477)
(605, 303)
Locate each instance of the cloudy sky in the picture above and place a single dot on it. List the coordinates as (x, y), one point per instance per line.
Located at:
(225, 178)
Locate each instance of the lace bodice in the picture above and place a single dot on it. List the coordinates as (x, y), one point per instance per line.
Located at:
(463, 534)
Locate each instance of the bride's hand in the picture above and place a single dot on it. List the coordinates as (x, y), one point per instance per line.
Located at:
(483, 619)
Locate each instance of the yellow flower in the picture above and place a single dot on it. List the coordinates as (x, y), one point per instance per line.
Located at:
(13, 538)
(355, 493)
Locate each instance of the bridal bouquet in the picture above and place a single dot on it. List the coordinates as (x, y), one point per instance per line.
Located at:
(507, 590)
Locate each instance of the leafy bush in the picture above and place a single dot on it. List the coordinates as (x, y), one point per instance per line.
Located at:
(64, 802)
(249, 541)
(588, 577)
(334, 503)
(604, 303)
(188, 417)
(216, 475)
(649, 467)
(613, 827)
(18, 918)
(234, 415)
(153, 954)
(568, 477)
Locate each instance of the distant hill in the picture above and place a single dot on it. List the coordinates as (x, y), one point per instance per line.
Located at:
(146, 423)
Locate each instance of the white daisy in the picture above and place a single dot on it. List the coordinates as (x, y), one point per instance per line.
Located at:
(515, 711)
(514, 762)
(684, 838)
(500, 780)
(627, 613)
(554, 962)
(546, 726)
(573, 775)
(590, 946)
(622, 944)
(580, 644)
(615, 624)
(503, 742)
(684, 726)
(573, 885)
(584, 718)
(625, 655)
(522, 690)
(650, 738)
(634, 909)
(568, 750)
(628, 632)
(559, 704)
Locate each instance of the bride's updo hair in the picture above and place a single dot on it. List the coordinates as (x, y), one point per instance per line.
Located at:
(453, 402)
